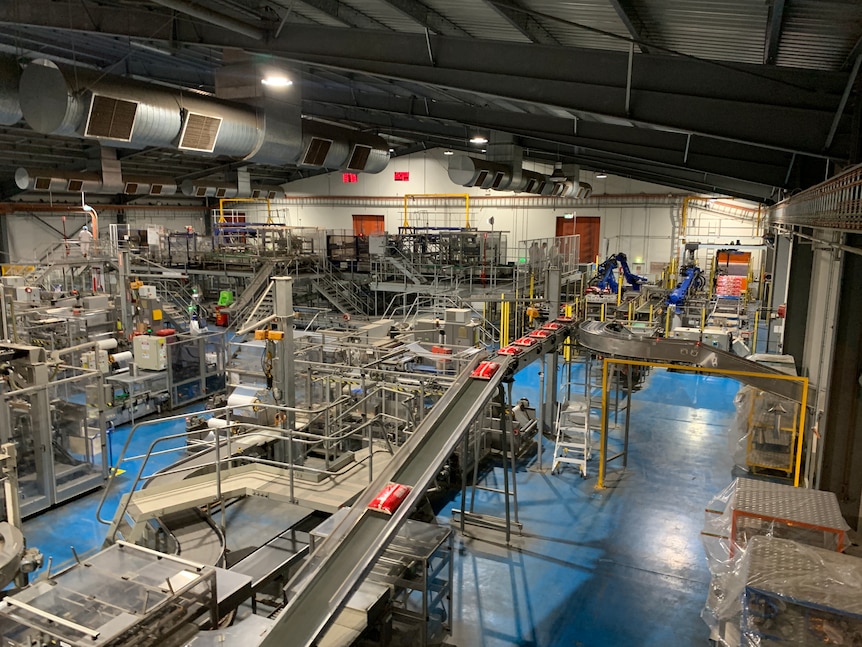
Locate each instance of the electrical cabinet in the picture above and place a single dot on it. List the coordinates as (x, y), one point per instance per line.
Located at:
(150, 352)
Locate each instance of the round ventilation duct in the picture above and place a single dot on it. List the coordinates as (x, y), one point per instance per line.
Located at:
(10, 107)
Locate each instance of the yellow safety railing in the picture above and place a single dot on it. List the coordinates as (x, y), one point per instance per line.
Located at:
(603, 459)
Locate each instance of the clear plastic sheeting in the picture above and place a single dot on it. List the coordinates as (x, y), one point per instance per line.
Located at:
(782, 592)
(764, 431)
(741, 514)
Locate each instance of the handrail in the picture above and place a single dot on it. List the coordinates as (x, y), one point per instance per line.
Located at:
(122, 457)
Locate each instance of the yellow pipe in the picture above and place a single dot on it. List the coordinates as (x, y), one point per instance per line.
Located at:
(650, 313)
(532, 284)
(604, 426)
(603, 312)
(702, 319)
(667, 322)
(801, 433)
(631, 303)
(406, 223)
(620, 288)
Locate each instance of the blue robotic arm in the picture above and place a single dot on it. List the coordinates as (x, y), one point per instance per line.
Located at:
(605, 279)
(692, 279)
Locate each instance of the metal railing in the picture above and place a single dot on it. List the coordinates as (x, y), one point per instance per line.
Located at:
(835, 204)
(231, 431)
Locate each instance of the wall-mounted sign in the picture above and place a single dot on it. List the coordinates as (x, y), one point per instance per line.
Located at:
(349, 178)
(402, 176)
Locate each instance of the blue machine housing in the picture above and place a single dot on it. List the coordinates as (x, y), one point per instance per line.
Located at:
(692, 279)
(605, 279)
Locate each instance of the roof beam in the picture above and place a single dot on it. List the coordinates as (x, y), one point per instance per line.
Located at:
(787, 109)
(522, 20)
(213, 17)
(441, 119)
(773, 31)
(632, 22)
(428, 18)
(346, 14)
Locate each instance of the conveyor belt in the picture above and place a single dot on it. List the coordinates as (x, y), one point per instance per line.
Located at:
(612, 340)
(325, 581)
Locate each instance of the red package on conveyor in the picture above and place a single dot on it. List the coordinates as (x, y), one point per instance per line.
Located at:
(389, 498)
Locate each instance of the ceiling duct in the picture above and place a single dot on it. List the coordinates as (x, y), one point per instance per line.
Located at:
(331, 147)
(207, 189)
(57, 181)
(10, 74)
(470, 171)
(139, 185)
(266, 192)
(121, 112)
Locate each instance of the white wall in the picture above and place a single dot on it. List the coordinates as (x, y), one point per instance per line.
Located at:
(637, 217)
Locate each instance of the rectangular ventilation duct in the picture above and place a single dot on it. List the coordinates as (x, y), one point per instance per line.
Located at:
(315, 154)
(111, 118)
(199, 132)
(359, 157)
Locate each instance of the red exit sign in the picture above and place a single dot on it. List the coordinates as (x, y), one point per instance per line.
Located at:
(402, 176)
(349, 178)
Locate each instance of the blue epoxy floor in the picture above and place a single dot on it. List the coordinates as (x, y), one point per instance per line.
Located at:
(74, 524)
(613, 568)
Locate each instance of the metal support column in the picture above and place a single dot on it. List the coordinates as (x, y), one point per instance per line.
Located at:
(286, 394)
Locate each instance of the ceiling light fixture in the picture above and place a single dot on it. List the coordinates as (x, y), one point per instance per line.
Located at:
(277, 81)
(448, 152)
(601, 175)
(478, 139)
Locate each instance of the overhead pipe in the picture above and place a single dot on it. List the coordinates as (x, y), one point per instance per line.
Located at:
(473, 172)
(10, 75)
(213, 17)
(119, 112)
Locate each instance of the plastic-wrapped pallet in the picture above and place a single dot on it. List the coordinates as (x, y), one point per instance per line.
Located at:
(781, 592)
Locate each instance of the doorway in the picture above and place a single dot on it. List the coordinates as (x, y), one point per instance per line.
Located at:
(588, 229)
(365, 225)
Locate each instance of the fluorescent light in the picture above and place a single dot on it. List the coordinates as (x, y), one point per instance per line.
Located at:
(569, 216)
(277, 81)
(601, 175)
(478, 139)
(448, 152)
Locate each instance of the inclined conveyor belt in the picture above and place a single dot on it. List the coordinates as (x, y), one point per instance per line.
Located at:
(336, 568)
(612, 340)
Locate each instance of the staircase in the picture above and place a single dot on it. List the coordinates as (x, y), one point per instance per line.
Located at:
(344, 296)
(401, 264)
(241, 308)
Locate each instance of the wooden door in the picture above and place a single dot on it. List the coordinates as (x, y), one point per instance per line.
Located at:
(365, 225)
(588, 229)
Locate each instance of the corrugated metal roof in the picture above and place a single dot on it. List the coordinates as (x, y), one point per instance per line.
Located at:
(315, 15)
(595, 14)
(478, 19)
(385, 13)
(726, 30)
(818, 34)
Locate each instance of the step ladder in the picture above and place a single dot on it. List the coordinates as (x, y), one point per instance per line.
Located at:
(573, 445)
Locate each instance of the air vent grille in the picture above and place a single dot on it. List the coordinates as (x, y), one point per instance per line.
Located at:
(131, 188)
(156, 189)
(75, 185)
(42, 183)
(199, 132)
(359, 157)
(480, 179)
(315, 154)
(111, 118)
(200, 191)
